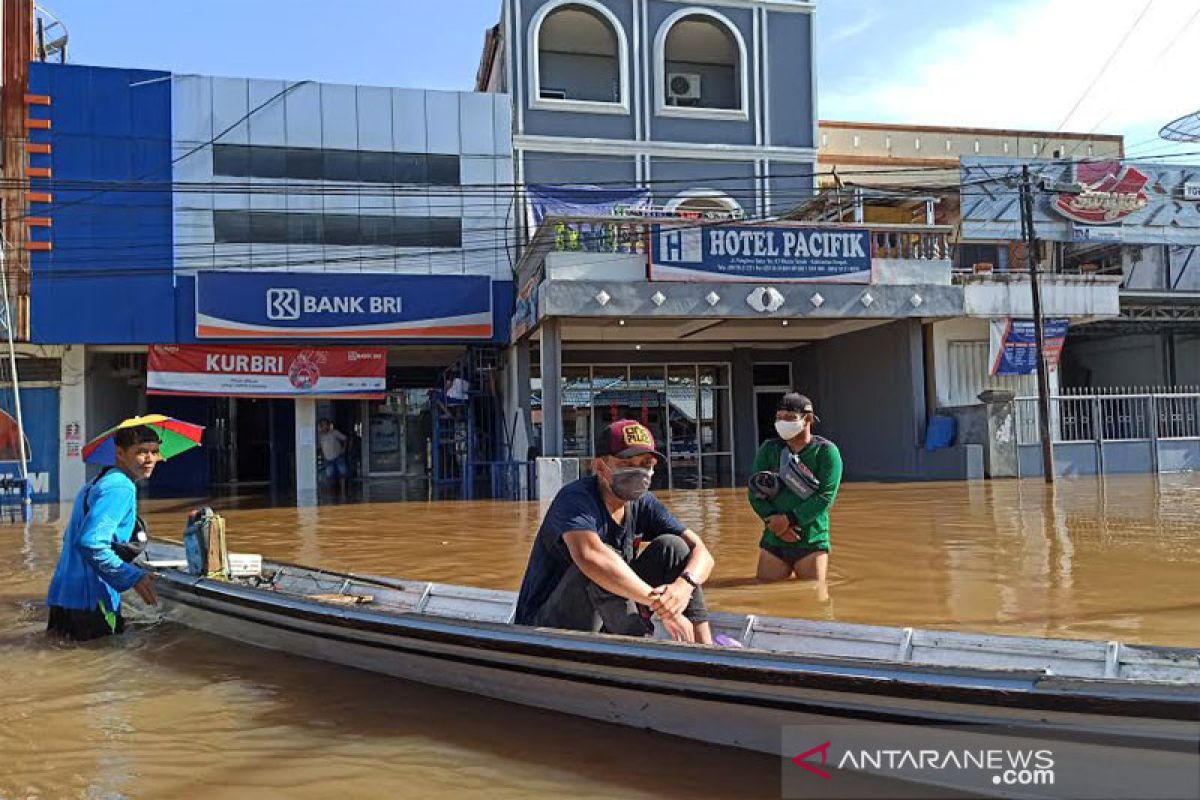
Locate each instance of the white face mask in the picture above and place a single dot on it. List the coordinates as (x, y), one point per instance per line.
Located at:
(789, 428)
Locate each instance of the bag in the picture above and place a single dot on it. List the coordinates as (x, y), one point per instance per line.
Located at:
(797, 477)
(204, 544)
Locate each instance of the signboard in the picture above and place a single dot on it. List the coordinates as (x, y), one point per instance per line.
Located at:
(1111, 192)
(266, 371)
(1014, 345)
(1191, 191)
(39, 412)
(1147, 202)
(1087, 233)
(265, 305)
(583, 201)
(760, 253)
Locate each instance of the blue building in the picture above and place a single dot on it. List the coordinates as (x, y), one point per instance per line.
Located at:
(193, 215)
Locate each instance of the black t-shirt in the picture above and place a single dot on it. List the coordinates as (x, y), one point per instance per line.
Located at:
(579, 506)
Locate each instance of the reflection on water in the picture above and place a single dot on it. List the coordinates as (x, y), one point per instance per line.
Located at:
(165, 711)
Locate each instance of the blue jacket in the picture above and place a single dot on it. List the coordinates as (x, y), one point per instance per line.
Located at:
(89, 572)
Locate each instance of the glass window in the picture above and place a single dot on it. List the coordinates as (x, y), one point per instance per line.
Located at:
(231, 227)
(443, 170)
(352, 166)
(305, 163)
(577, 412)
(232, 160)
(578, 57)
(277, 227)
(772, 375)
(702, 64)
(341, 165)
(714, 375)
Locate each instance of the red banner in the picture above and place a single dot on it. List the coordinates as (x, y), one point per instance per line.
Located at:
(266, 371)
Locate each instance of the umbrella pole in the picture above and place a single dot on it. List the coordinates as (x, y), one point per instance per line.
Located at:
(26, 494)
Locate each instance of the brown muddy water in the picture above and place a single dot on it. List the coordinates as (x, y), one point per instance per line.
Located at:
(165, 712)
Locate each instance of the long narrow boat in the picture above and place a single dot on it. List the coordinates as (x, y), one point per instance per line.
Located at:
(1126, 711)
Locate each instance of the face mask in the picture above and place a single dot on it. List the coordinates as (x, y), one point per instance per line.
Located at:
(789, 429)
(630, 483)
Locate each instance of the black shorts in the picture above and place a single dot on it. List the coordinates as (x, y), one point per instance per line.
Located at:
(80, 625)
(790, 554)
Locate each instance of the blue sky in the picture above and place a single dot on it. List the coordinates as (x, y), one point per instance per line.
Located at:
(999, 63)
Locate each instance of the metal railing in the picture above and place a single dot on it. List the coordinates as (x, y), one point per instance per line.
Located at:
(1114, 415)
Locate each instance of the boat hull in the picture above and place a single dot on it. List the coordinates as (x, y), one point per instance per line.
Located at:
(695, 694)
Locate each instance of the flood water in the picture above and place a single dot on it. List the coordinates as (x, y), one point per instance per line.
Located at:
(165, 712)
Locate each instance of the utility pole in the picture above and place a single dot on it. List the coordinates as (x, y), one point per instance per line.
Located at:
(1043, 375)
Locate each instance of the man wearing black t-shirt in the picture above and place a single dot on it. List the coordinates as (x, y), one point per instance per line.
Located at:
(583, 573)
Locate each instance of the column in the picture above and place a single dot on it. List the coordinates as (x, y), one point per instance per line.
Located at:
(72, 419)
(551, 359)
(306, 451)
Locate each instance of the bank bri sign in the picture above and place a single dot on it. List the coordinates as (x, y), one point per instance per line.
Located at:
(760, 253)
(258, 305)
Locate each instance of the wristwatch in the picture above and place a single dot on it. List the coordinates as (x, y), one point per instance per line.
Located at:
(690, 578)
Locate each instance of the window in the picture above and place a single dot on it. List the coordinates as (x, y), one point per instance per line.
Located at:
(282, 227)
(351, 166)
(705, 201)
(701, 63)
(578, 56)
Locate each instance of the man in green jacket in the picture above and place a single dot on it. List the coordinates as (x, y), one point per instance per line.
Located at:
(796, 478)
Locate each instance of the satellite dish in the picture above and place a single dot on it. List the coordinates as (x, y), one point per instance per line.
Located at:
(1184, 129)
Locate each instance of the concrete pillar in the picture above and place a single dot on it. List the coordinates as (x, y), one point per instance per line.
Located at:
(745, 426)
(306, 451)
(72, 420)
(551, 357)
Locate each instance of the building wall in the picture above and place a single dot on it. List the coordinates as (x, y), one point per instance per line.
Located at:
(109, 277)
(868, 388)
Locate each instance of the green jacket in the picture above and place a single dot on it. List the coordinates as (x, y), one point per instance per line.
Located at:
(811, 516)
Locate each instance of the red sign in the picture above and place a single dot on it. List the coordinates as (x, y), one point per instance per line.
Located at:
(265, 371)
(1111, 193)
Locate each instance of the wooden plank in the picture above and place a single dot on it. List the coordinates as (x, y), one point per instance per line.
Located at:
(343, 599)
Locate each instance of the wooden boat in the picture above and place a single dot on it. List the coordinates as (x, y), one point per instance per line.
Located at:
(1127, 711)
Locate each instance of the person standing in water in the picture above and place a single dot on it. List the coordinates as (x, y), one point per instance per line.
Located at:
(795, 481)
(85, 592)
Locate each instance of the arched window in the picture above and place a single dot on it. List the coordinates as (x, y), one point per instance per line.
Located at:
(578, 58)
(705, 201)
(701, 62)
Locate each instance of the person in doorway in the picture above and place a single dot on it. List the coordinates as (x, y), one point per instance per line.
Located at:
(85, 593)
(583, 572)
(334, 444)
(795, 481)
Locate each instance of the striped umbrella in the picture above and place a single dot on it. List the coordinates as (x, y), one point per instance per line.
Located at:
(176, 435)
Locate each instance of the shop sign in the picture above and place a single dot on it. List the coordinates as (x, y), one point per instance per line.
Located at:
(266, 371)
(1191, 191)
(760, 253)
(264, 305)
(39, 409)
(663, 212)
(1089, 233)
(1014, 345)
(1111, 192)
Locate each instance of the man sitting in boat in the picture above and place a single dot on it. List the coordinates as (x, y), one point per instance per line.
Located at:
(93, 568)
(583, 573)
(795, 481)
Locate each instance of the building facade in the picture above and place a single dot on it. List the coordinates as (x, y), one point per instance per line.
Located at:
(194, 217)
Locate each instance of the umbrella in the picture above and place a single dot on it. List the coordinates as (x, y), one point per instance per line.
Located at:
(177, 436)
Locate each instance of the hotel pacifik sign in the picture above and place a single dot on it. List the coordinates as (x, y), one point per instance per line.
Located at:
(760, 253)
(264, 305)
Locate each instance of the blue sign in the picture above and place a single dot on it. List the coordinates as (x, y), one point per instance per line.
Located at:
(39, 412)
(582, 201)
(759, 253)
(264, 305)
(1014, 345)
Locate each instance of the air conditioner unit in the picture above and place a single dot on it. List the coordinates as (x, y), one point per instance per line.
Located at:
(683, 88)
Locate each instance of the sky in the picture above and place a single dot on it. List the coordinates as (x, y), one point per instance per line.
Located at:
(985, 63)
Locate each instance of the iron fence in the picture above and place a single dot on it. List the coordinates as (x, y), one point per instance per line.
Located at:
(1114, 415)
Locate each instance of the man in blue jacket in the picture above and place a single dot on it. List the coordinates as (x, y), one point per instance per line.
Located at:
(85, 592)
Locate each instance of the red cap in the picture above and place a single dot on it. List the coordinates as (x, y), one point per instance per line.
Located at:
(626, 438)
